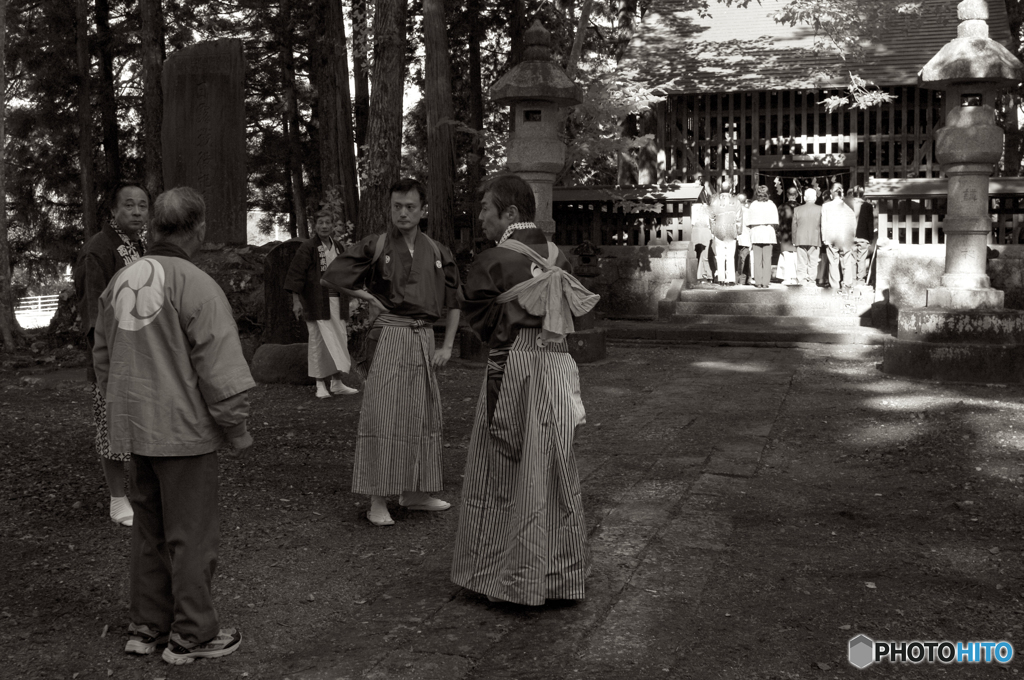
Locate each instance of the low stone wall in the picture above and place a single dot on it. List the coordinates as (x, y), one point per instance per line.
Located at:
(904, 273)
(631, 279)
(239, 272)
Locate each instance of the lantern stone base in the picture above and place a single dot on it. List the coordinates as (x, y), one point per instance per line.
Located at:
(587, 346)
(965, 298)
(975, 346)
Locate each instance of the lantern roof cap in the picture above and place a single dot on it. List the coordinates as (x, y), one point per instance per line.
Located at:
(537, 77)
(971, 57)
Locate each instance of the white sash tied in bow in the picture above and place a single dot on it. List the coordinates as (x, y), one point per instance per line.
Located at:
(554, 294)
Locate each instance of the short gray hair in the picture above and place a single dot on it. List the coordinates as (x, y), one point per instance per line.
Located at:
(178, 212)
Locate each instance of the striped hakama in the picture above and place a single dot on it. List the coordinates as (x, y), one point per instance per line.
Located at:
(328, 344)
(522, 533)
(399, 442)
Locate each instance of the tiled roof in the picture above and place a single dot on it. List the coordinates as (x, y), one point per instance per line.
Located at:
(742, 48)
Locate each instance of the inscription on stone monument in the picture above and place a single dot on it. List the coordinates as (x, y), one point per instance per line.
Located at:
(204, 132)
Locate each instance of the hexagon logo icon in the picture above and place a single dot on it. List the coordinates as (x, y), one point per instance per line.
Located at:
(862, 651)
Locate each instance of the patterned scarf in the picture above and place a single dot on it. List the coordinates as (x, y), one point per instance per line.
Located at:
(129, 250)
(322, 251)
(514, 227)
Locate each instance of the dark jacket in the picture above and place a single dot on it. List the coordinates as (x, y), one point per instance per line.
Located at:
(101, 257)
(786, 225)
(303, 279)
(865, 220)
(420, 286)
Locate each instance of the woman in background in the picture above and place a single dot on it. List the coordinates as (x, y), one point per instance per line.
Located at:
(764, 221)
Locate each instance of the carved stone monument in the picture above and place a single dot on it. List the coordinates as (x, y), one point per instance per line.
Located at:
(963, 333)
(203, 133)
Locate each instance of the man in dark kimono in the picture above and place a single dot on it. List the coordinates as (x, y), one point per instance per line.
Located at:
(409, 279)
(522, 534)
(117, 245)
(328, 355)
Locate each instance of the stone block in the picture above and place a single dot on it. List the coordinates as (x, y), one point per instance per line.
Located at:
(954, 362)
(587, 346)
(968, 326)
(287, 364)
(281, 364)
(964, 298)
(631, 280)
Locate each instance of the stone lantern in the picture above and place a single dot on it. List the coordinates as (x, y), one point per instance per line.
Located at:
(963, 333)
(535, 89)
(970, 69)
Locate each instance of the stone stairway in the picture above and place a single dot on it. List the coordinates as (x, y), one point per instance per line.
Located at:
(776, 315)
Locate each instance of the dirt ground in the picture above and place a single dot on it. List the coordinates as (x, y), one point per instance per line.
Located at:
(751, 510)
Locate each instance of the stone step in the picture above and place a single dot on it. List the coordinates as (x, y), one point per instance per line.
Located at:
(775, 293)
(813, 307)
(777, 321)
(661, 333)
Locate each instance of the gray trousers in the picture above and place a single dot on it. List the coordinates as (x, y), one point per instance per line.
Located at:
(175, 537)
(806, 263)
(862, 255)
(840, 266)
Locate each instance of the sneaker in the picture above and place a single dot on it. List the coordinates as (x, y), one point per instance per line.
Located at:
(321, 390)
(423, 501)
(338, 387)
(142, 643)
(226, 642)
(121, 511)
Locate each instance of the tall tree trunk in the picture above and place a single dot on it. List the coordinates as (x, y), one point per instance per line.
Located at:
(1014, 144)
(581, 35)
(85, 149)
(337, 155)
(440, 145)
(7, 320)
(516, 28)
(476, 163)
(108, 97)
(360, 69)
(291, 106)
(289, 193)
(384, 130)
(152, 20)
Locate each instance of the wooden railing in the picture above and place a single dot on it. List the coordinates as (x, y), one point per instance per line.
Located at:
(624, 216)
(910, 211)
(36, 311)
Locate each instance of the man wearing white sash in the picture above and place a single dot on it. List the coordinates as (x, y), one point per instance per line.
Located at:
(522, 534)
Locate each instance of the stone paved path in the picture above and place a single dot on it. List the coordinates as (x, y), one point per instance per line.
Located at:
(669, 459)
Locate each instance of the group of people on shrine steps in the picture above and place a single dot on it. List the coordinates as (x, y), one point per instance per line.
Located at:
(171, 390)
(757, 242)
